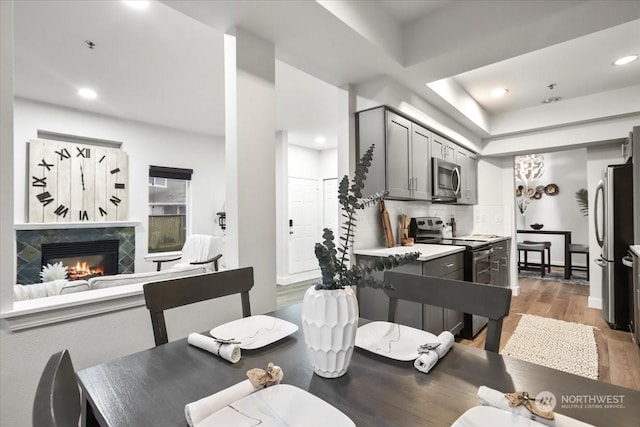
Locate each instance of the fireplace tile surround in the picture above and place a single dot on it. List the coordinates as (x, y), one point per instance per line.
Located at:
(29, 247)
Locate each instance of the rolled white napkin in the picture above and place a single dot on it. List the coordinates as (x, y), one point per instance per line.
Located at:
(427, 360)
(230, 352)
(197, 411)
(497, 399)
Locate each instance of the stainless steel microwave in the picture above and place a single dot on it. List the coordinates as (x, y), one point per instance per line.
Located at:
(446, 181)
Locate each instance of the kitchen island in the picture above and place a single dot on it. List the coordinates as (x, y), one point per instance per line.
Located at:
(435, 260)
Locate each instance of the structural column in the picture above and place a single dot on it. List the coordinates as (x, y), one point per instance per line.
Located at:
(250, 129)
(7, 233)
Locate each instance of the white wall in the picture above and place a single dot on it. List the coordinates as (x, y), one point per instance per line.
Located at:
(598, 158)
(146, 145)
(568, 170)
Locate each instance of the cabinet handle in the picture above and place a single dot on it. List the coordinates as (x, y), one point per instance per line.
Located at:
(443, 152)
(449, 265)
(497, 267)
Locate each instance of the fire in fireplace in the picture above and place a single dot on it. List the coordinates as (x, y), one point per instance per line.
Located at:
(83, 259)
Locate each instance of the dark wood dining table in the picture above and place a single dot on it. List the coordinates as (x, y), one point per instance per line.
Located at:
(152, 387)
(567, 243)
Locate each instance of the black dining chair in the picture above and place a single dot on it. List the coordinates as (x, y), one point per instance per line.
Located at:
(166, 294)
(57, 401)
(488, 301)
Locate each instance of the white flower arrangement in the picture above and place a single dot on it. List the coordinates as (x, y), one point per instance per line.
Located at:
(53, 272)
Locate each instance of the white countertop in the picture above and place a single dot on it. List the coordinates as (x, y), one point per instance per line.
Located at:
(635, 249)
(484, 238)
(427, 252)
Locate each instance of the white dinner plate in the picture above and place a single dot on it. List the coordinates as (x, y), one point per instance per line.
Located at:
(278, 405)
(488, 416)
(392, 340)
(255, 331)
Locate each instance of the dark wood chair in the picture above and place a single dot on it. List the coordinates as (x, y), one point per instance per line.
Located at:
(488, 301)
(547, 248)
(57, 401)
(166, 294)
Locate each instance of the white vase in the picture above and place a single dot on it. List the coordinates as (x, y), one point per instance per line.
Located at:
(521, 221)
(329, 324)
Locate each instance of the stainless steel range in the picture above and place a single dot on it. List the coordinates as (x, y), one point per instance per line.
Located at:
(477, 261)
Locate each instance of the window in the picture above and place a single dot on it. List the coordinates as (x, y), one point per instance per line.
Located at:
(168, 208)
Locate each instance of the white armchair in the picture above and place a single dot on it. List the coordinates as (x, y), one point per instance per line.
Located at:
(199, 249)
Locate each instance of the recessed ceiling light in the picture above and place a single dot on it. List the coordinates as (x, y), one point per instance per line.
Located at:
(625, 60)
(552, 99)
(137, 4)
(498, 92)
(320, 140)
(87, 93)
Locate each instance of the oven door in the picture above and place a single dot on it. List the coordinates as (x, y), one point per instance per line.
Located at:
(446, 180)
(481, 266)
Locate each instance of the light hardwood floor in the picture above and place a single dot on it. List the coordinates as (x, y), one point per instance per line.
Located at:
(618, 355)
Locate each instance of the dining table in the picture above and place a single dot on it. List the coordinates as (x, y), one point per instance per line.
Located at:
(152, 387)
(567, 244)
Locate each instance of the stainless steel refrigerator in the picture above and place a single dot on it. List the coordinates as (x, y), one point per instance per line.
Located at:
(614, 232)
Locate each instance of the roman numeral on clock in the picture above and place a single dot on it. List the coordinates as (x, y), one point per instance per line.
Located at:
(61, 211)
(119, 186)
(84, 216)
(45, 164)
(116, 170)
(102, 211)
(83, 152)
(39, 182)
(116, 201)
(45, 198)
(64, 154)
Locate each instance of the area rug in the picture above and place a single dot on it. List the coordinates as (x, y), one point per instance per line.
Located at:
(566, 346)
(577, 278)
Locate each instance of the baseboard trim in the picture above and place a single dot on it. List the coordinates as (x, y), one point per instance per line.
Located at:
(595, 303)
(298, 277)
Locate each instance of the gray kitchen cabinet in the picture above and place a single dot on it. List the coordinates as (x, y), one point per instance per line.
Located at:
(374, 304)
(468, 162)
(442, 148)
(500, 263)
(400, 162)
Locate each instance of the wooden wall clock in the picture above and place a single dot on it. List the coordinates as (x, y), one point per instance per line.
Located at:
(71, 182)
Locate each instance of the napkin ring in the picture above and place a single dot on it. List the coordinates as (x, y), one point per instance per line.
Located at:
(522, 398)
(259, 377)
(223, 341)
(426, 348)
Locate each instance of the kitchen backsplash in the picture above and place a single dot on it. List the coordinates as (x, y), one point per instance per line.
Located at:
(369, 233)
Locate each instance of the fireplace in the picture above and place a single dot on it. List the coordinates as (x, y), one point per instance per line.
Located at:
(83, 259)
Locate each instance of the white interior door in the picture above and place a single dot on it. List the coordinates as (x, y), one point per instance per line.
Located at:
(331, 216)
(303, 224)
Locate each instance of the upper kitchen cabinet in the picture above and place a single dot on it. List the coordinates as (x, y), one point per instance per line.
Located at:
(468, 162)
(400, 162)
(442, 148)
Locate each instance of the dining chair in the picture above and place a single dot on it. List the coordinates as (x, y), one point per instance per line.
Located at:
(57, 401)
(198, 249)
(166, 294)
(488, 301)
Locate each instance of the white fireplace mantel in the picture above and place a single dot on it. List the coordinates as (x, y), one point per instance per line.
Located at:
(68, 225)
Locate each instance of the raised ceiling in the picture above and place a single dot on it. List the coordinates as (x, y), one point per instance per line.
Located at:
(161, 63)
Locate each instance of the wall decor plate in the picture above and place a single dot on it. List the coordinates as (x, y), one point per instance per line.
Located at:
(278, 405)
(518, 192)
(254, 331)
(529, 192)
(537, 195)
(540, 189)
(551, 190)
(488, 416)
(392, 340)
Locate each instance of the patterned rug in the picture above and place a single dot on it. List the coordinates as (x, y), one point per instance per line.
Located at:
(566, 346)
(577, 278)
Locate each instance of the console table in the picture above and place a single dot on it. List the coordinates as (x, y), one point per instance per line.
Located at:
(567, 242)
